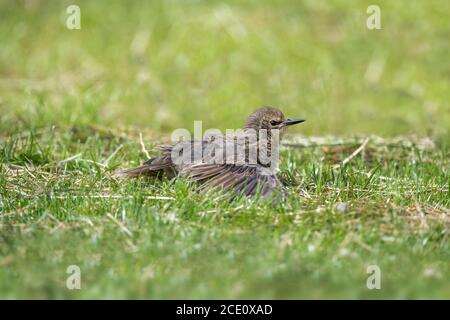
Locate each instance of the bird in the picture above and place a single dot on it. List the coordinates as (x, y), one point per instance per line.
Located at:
(244, 162)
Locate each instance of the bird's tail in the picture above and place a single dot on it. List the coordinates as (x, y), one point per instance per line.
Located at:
(143, 170)
(152, 168)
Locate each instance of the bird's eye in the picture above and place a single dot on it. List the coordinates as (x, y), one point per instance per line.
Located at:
(273, 122)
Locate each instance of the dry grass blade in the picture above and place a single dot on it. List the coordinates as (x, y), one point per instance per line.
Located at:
(354, 154)
(121, 225)
(144, 150)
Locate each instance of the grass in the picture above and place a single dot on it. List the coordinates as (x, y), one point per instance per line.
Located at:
(73, 105)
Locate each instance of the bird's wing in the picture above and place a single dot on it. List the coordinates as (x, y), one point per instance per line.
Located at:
(240, 179)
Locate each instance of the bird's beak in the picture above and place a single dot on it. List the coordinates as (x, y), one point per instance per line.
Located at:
(289, 122)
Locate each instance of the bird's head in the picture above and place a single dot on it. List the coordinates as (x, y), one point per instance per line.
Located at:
(269, 119)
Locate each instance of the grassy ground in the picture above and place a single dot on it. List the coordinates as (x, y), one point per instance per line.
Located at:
(74, 102)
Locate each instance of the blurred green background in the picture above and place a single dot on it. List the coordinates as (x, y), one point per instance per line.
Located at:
(72, 103)
(162, 64)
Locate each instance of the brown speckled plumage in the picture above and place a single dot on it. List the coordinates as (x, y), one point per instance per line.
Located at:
(244, 177)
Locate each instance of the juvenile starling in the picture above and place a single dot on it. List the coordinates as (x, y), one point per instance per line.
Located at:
(243, 162)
